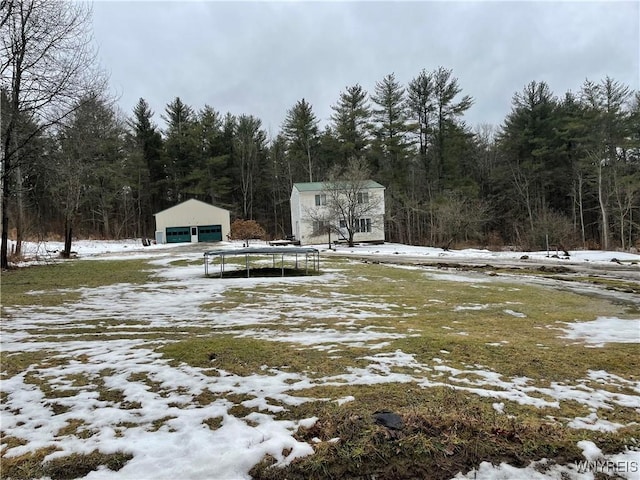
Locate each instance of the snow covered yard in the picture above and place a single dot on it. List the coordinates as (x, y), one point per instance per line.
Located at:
(167, 374)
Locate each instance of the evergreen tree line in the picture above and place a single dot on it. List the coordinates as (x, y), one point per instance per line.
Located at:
(564, 170)
(559, 170)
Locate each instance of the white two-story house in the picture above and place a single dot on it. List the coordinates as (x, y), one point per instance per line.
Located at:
(323, 212)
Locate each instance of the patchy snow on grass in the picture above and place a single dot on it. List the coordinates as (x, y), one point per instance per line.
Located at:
(604, 330)
(575, 256)
(472, 306)
(592, 422)
(347, 399)
(232, 449)
(459, 277)
(624, 465)
(155, 414)
(513, 313)
(319, 337)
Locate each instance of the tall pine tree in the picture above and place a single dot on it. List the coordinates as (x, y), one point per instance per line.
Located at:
(152, 175)
(351, 121)
(300, 128)
(181, 148)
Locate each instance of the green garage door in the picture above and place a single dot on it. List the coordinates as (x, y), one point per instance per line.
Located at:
(210, 233)
(178, 234)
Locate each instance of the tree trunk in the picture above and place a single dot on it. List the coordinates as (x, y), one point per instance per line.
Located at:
(624, 195)
(581, 209)
(5, 186)
(630, 227)
(141, 229)
(19, 210)
(274, 204)
(309, 160)
(68, 232)
(4, 263)
(603, 211)
(106, 223)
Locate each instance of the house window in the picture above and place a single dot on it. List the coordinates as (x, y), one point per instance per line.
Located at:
(363, 225)
(343, 224)
(363, 197)
(321, 199)
(320, 227)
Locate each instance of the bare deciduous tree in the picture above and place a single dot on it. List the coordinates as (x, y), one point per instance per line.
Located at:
(349, 201)
(607, 103)
(248, 145)
(324, 222)
(458, 219)
(47, 63)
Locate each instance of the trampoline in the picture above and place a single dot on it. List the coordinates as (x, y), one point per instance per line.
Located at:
(305, 259)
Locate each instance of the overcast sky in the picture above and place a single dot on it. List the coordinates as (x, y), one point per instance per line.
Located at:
(259, 58)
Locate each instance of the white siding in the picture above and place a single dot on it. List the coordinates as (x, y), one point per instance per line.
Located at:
(308, 203)
(303, 202)
(194, 213)
(295, 213)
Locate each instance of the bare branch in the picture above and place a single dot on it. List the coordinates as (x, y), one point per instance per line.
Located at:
(47, 65)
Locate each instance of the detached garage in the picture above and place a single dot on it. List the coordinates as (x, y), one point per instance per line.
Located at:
(192, 221)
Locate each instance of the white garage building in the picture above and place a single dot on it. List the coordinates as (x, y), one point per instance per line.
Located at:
(192, 221)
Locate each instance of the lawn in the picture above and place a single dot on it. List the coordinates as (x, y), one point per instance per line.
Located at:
(144, 368)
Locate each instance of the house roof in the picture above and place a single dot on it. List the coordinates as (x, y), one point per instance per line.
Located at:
(319, 186)
(186, 202)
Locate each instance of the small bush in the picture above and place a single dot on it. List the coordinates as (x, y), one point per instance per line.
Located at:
(246, 230)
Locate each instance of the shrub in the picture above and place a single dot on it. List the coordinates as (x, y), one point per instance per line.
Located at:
(246, 230)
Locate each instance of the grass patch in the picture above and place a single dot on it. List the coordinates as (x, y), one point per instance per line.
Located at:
(434, 307)
(495, 324)
(13, 363)
(185, 263)
(31, 465)
(64, 333)
(75, 427)
(77, 465)
(141, 377)
(159, 423)
(57, 408)
(25, 467)
(206, 397)
(247, 356)
(521, 358)
(51, 281)
(118, 398)
(444, 432)
(213, 423)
